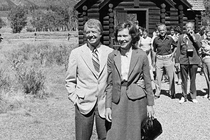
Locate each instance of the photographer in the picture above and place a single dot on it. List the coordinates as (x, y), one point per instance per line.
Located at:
(187, 60)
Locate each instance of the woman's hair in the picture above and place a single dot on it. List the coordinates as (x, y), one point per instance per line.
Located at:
(144, 30)
(133, 31)
(172, 28)
(207, 29)
(202, 30)
(178, 29)
(93, 23)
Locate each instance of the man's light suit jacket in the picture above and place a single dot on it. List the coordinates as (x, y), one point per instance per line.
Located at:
(85, 86)
(136, 88)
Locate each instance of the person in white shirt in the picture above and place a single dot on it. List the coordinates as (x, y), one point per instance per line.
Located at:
(145, 43)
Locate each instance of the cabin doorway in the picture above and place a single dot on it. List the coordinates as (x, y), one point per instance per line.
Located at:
(140, 16)
(133, 14)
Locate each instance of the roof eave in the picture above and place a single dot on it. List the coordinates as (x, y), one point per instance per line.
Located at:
(80, 3)
(186, 3)
(171, 2)
(104, 3)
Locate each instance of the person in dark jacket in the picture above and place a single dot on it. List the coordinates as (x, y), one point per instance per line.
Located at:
(129, 92)
(187, 59)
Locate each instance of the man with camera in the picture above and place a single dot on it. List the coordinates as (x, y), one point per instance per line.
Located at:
(187, 60)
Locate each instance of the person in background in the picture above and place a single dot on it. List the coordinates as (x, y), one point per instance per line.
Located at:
(175, 33)
(1, 38)
(145, 43)
(202, 35)
(69, 36)
(187, 60)
(205, 55)
(129, 97)
(164, 48)
(86, 82)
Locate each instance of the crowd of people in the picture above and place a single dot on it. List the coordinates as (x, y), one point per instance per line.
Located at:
(117, 88)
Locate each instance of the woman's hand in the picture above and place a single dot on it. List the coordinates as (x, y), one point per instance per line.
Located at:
(108, 114)
(150, 111)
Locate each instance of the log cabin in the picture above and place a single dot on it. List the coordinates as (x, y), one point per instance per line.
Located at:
(148, 12)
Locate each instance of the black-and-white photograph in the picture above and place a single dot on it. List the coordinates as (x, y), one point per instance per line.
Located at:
(104, 70)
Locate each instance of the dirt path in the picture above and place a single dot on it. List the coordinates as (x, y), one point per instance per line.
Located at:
(53, 118)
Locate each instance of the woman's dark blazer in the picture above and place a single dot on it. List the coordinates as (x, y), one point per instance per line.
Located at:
(139, 80)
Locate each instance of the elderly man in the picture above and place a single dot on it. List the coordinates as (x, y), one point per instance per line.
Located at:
(86, 82)
(164, 47)
(187, 60)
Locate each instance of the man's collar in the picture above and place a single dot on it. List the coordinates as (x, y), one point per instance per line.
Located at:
(165, 37)
(93, 48)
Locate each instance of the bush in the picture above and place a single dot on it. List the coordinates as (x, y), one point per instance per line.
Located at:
(5, 81)
(18, 19)
(2, 23)
(31, 80)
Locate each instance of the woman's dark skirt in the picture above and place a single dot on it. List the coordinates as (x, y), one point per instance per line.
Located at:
(127, 116)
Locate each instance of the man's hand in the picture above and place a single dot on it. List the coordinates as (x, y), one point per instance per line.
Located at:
(192, 34)
(108, 114)
(177, 66)
(150, 111)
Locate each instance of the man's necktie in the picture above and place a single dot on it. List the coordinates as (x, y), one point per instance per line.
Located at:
(95, 60)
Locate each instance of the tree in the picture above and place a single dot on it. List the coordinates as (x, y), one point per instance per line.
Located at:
(206, 13)
(2, 23)
(18, 19)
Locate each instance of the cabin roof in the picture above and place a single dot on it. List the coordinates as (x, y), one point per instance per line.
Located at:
(197, 5)
(186, 3)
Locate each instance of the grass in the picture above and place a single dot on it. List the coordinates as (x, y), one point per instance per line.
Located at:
(25, 69)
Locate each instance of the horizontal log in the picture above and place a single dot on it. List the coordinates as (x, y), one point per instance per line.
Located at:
(151, 11)
(81, 37)
(172, 18)
(105, 32)
(106, 43)
(81, 23)
(174, 14)
(81, 28)
(93, 10)
(106, 38)
(105, 28)
(81, 19)
(154, 17)
(105, 22)
(93, 14)
(147, 3)
(106, 18)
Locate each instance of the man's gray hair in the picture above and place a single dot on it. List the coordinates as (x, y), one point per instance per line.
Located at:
(93, 23)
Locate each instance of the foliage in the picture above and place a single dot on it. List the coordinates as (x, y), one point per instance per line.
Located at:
(5, 81)
(17, 17)
(2, 23)
(206, 13)
(56, 18)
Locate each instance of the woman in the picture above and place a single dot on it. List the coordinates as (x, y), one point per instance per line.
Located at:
(145, 43)
(129, 98)
(205, 54)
